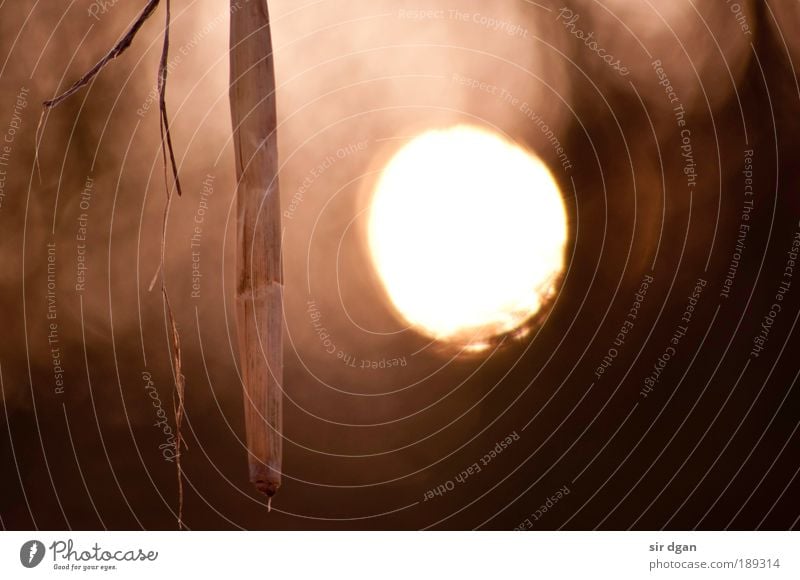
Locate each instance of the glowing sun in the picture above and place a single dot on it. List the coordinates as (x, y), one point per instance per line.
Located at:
(467, 232)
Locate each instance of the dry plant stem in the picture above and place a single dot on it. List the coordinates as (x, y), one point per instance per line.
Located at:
(180, 382)
(259, 290)
(166, 135)
(116, 51)
(166, 145)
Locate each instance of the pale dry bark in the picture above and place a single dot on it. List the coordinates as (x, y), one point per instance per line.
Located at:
(259, 288)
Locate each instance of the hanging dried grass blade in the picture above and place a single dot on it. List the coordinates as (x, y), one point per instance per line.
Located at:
(166, 135)
(166, 144)
(259, 291)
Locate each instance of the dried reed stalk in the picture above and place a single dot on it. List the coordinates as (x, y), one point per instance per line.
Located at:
(259, 290)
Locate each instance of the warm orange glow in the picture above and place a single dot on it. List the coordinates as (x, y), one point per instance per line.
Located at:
(467, 232)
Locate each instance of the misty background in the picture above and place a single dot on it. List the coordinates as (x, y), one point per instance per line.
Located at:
(375, 416)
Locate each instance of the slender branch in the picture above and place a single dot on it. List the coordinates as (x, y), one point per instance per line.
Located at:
(166, 135)
(166, 145)
(118, 49)
(180, 383)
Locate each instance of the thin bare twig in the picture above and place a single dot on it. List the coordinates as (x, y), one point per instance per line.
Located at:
(166, 146)
(118, 49)
(166, 135)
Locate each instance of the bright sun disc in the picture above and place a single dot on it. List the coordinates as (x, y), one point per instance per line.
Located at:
(467, 232)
